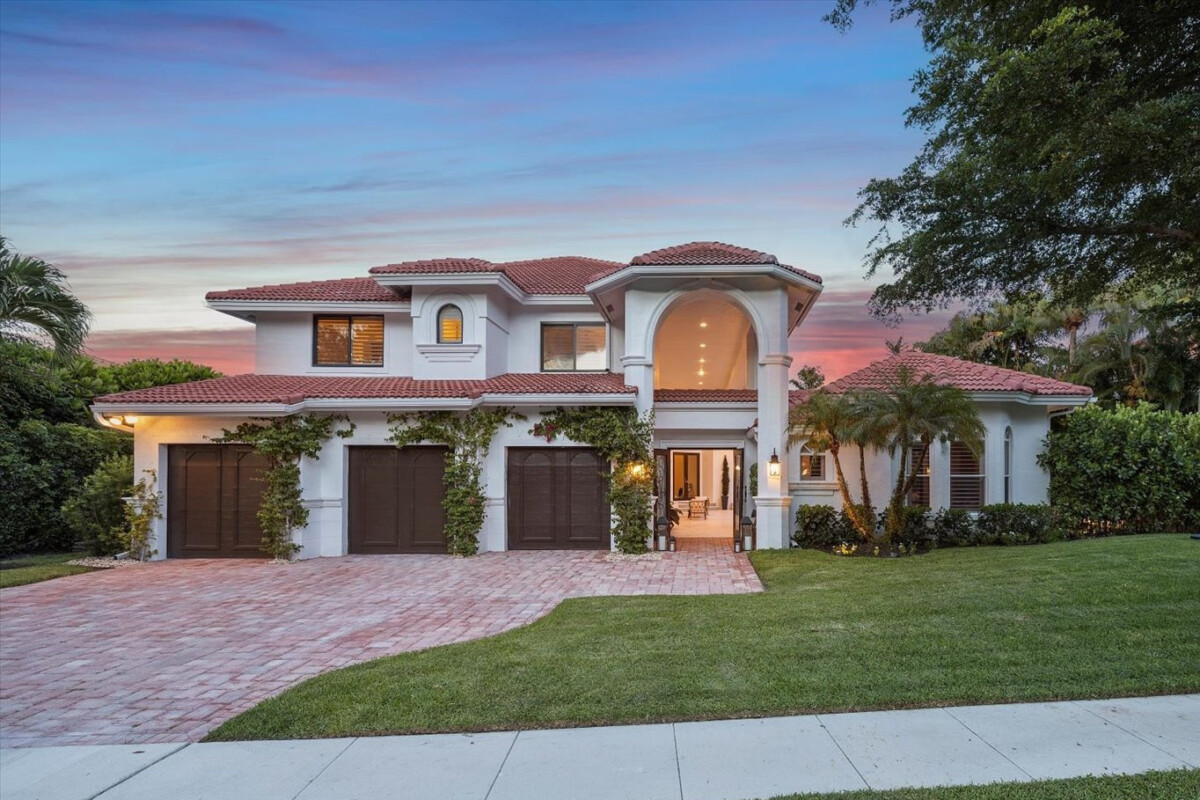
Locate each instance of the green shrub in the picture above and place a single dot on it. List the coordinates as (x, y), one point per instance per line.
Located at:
(954, 527)
(1128, 470)
(912, 528)
(41, 466)
(822, 527)
(1014, 523)
(95, 514)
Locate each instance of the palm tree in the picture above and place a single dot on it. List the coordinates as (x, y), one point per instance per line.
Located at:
(826, 422)
(36, 303)
(909, 416)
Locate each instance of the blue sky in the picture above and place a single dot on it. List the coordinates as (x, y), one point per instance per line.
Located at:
(159, 150)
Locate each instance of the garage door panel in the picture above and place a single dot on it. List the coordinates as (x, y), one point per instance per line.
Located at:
(395, 500)
(248, 485)
(556, 499)
(428, 476)
(213, 496)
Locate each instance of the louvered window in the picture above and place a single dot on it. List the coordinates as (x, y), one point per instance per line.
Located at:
(348, 341)
(918, 463)
(574, 348)
(966, 476)
(812, 464)
(1008, 445)
(450, 325)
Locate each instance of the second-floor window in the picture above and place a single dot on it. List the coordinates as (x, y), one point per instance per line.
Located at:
(574, 347)
(450, 325)
(348, 341)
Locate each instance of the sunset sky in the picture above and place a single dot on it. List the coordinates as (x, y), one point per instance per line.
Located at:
(158, 151)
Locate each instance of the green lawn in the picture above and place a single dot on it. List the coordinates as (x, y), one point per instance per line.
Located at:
(1099, 618)
(20, 570)
(1175, 785)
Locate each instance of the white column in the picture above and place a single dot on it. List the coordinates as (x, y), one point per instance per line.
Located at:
(773, 501)
(639, 372)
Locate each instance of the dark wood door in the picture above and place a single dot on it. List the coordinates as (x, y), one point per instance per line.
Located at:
(213, 495)
(557, 499)
(395, 500)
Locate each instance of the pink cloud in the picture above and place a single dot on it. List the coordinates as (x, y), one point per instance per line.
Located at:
(229, 350)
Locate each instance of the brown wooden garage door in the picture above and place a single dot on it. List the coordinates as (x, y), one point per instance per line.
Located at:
(213, 497)
(556, 499)
(395, 499)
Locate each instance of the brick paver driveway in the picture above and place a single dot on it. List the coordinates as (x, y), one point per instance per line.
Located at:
(167, 651)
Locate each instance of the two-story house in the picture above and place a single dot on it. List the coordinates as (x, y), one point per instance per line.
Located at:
(698, 333)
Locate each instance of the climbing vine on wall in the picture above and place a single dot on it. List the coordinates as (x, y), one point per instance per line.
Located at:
(624, 438)
(283, 441)
(469, 436)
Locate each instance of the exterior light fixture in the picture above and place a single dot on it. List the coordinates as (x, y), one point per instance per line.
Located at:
(115, 420)
(773, 465)
(637, 469)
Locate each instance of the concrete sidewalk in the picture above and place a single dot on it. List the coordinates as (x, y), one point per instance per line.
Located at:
(732, 759)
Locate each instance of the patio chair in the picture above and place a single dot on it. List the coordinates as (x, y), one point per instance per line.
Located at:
(697, 508)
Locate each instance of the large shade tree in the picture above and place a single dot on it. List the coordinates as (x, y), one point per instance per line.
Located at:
(37, 304)
(1063, 153)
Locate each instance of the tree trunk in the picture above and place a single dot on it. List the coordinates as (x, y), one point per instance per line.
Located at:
(847, 501)
(868, 506)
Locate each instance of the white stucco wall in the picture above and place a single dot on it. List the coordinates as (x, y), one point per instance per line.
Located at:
(1030, 483)
(283, 345)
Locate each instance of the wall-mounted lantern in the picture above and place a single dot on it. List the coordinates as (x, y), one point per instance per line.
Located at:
(773, 465)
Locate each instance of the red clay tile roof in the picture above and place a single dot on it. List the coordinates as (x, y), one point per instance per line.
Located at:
(712, 253)
(435, 265)
(705, 395)
(296, 388)
(966, 375)
(558, 275)
(704, 253)
(339, 290)
(555, 275)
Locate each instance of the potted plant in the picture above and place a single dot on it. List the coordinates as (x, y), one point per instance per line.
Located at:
(724, 483)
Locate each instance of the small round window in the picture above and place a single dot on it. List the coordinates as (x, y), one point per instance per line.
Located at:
(450, 325)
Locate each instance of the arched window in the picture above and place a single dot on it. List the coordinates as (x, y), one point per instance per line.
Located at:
(812, 464)
(450, 325)
(1008, 465)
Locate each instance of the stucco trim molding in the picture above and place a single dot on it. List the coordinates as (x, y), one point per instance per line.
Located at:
(444, 353)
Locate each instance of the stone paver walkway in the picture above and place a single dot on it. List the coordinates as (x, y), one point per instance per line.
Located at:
(719, 760)
(167, 651)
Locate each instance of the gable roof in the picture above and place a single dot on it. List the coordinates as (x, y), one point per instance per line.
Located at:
(713, 253)
(966, 375)
(291, 389)
(338, 290)
(555, 275)
(704, 253)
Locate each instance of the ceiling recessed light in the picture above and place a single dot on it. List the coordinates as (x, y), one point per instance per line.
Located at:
(703, 324)
(700, 382)
(702, 361)
(702, 344)
(701, 372)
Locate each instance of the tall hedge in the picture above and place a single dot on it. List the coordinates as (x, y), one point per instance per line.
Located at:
(1128, 470)
(41, 466)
